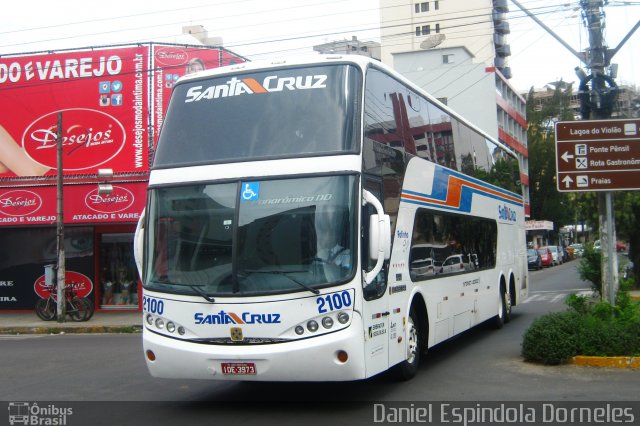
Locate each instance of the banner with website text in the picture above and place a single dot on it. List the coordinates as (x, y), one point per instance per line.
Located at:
(103, 97)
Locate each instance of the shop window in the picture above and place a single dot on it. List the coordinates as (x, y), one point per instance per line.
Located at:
(118, 277)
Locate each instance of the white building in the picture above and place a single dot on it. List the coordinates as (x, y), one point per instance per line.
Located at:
(354, 46)
(457, 50)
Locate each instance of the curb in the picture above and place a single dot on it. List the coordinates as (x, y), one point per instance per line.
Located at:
(606, 361)
(72, 330)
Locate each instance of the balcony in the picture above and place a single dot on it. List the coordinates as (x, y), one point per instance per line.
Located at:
(503, 50)
(502, 27)
(502, 5)
(499, 15)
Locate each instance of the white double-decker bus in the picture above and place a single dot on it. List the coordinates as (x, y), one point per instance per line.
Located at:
(321, 220)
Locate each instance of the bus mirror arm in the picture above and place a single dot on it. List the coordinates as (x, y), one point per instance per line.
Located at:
(138, 240)
(379, 236)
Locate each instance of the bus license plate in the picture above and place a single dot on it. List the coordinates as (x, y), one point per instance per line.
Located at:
(238, 368)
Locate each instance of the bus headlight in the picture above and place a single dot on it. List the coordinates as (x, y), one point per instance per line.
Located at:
(299, 330)
(312, 326)
(159, 323)
(343, 317)
(149, 319)
(171, 327)
(327, 322)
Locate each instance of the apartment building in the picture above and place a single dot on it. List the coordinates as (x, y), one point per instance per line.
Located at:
(458, 51)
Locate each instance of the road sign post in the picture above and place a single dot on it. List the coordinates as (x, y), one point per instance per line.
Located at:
(600, 155)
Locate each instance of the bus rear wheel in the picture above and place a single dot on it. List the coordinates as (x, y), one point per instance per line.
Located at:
(408, 368)
(504, 309)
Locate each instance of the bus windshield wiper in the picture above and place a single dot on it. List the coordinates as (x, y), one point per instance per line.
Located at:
(286, 274)
(194, 287)
(198, 290)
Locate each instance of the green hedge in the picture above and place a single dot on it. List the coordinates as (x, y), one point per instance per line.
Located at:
(586, 328)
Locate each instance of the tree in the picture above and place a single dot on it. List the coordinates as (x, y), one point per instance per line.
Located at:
(546, 202)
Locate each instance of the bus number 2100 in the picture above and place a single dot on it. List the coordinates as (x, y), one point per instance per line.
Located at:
(153, 306)
(334, 301)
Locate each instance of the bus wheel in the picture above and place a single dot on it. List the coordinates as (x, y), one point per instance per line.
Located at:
(504, 309)
(506, 301)
(408, 368)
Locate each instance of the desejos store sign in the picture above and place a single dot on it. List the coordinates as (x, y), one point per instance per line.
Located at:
(82, 204)
(110, 99)
(103, 97)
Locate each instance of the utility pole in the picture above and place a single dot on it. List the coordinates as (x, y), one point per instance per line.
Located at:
(597, 93)
(599, 103)
(60, 269)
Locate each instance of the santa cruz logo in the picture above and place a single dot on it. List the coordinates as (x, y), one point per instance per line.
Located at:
(232, 318)
(89, 138)
(120, 199)
(19, 202)
(171, 56)
(79, 283)
(248, 86)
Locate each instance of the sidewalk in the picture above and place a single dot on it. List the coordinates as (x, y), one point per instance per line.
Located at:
(27, 322)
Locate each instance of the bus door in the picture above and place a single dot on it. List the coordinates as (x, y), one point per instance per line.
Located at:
(375, 308)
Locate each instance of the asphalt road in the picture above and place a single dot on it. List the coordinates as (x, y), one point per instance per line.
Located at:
(480, 365)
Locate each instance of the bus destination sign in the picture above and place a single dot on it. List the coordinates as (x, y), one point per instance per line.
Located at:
(598, 155)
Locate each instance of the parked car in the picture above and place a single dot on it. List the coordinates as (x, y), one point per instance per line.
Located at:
(578, 249)
(546, 256)
(571, 253)
(457, 263)
(556, 253)
(534, 259)
(627, 266)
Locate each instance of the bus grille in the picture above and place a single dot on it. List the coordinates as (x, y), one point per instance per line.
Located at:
(245, 341)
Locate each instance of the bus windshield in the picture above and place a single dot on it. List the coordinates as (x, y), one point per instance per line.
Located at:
(261, 115)
(252, 237)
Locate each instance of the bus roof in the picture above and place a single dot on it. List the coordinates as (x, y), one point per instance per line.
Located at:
(363, 62)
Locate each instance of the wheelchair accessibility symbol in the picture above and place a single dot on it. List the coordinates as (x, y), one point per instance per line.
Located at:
(250, 191)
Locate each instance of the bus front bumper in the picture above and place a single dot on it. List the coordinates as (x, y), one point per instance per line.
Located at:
(312, 359)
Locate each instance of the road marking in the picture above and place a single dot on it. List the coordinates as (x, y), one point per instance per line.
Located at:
(557, 296)
(19, 336)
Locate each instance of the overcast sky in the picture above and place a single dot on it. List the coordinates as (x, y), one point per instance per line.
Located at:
(261, 29)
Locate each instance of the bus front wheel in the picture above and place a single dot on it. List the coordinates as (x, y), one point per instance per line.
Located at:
(408, 368)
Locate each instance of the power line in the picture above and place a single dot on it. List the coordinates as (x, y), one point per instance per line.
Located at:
(443, 18)
(542, 10)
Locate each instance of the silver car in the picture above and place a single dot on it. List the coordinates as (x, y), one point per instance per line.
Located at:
(557, 255)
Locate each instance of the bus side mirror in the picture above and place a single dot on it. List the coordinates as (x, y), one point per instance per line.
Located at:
(138, 240)
(379, 237)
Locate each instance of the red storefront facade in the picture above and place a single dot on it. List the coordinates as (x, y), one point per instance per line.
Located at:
(112, 101)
